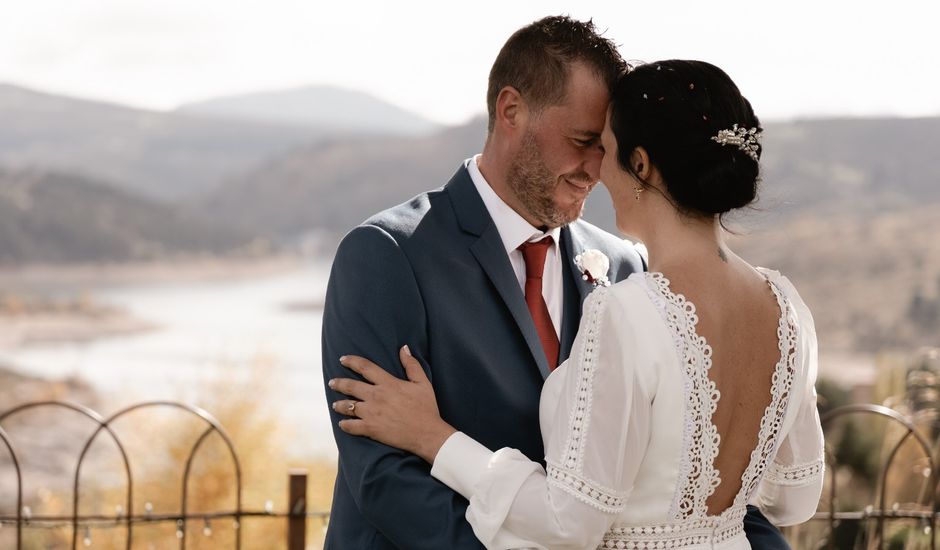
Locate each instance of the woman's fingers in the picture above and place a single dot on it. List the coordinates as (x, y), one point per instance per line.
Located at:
(353, 388)
(348, 407)
(413, 369)
(353, 427)
(365, 368)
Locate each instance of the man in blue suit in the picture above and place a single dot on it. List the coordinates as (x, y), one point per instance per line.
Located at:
(451, 273)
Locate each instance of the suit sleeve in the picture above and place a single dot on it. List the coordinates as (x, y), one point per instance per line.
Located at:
(373, 306)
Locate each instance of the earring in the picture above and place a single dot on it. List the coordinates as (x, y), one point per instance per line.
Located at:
(638, 191)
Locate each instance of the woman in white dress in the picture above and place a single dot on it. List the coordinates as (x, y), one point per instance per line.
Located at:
(690, 389)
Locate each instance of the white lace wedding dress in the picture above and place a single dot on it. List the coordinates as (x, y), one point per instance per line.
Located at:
(629, 441)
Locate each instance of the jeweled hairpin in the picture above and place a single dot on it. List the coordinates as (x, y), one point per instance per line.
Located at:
(746, 140)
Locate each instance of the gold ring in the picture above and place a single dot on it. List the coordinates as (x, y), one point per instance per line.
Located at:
(352, 408)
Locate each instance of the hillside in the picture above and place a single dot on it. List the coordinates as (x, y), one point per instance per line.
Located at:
(48, 217)
(872, 281)
(335, 185)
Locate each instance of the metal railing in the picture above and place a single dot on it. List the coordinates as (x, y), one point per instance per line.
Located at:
(295, 517)
(927, 511)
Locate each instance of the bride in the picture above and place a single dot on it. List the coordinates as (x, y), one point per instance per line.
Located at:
(689, 392)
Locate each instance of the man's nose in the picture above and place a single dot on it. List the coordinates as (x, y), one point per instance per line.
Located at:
(592, 161)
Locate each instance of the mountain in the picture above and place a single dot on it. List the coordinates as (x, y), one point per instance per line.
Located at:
(167, 156)
(49, 217)
(321, 107)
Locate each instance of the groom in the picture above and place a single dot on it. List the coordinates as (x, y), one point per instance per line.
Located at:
(479, 279)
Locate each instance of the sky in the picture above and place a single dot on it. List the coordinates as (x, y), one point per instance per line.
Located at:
(793, 59)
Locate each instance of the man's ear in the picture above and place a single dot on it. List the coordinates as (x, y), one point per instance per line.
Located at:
(640, 162)
(511, 109)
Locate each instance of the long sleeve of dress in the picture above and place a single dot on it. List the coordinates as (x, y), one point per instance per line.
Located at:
(593, 447)
(790, 488)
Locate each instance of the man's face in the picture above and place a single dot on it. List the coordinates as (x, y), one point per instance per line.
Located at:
(559, 157)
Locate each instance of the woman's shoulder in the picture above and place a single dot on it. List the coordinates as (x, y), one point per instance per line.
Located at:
(629, 296)
(630, 305)
(781, 281)
(786, 287)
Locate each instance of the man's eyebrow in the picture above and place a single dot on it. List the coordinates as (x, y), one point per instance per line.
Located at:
(586, 133)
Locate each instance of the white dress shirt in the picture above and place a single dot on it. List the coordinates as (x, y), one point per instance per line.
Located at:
(514, 230)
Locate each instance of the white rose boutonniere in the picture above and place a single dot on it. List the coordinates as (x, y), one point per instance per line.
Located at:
(594, 266)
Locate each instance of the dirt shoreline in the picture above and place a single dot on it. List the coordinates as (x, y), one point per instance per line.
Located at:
(23, 331)
(42, 278)
(45, 304)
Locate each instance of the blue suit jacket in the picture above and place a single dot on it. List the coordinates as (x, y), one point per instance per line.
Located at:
(433, 273)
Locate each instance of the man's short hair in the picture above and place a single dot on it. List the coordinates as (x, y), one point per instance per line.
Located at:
(536, 58)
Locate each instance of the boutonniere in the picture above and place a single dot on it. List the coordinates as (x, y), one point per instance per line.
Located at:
(594, 266)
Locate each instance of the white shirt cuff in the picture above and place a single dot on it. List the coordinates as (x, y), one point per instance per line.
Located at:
(460, 463)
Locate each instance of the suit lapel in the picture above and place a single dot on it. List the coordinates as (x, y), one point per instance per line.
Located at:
(491, 254)
(489, 251)
(576, 288)
(573, 244)
(571, 302)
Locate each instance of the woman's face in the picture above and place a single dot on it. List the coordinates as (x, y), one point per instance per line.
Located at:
(619, 183)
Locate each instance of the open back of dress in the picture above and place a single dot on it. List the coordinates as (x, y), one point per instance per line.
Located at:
(733, 409)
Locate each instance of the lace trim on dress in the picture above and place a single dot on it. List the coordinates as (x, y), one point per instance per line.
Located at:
(795, 475)
(698, 477)
(587, 491)
(568, 475)
(774, 414)
(695, 532)
(579, 417)
(658, 297)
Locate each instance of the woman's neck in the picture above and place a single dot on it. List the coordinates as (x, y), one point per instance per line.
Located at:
(678, 240)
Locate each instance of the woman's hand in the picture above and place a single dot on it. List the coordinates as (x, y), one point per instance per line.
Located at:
(398, 413)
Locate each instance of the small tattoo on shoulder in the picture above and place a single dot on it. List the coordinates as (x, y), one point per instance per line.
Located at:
(722, 255)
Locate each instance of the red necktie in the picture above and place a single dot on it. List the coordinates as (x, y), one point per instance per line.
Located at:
(534, 255)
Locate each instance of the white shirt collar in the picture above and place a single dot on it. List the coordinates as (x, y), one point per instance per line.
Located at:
(513, 228)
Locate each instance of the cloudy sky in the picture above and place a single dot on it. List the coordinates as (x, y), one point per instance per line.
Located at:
(798, 58)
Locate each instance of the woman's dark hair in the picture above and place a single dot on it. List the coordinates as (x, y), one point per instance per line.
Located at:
(536, 58)
(673, 109)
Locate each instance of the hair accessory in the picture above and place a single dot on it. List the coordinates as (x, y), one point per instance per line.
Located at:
(746, 140)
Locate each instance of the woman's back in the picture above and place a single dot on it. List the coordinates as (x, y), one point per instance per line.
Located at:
(740, 319)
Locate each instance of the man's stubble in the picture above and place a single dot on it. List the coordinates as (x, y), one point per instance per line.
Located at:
(534, 185)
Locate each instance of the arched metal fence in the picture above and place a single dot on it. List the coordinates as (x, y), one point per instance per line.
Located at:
(877, 516)
(23, 518)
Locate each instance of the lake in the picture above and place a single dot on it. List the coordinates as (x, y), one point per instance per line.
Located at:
(243, 330)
